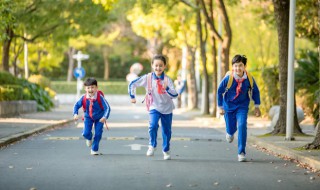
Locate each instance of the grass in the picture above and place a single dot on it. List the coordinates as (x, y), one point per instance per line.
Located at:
(303, 149)
(282, 135)
(110, 87)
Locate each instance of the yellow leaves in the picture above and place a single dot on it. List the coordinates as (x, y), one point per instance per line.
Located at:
(104, 39)
(153, 24)
(107, 4)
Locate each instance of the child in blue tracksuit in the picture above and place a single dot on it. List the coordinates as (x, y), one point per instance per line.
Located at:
(160, 108)
(234, 103)
(96, 111)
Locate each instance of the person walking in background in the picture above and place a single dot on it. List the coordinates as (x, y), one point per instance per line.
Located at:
(160, 91)
(96, 111)
(234, 93)
(180, 87)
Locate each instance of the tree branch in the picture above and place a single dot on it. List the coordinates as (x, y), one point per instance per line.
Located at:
(40, 34)
(225, 19)
(189, 4)
(210, 22)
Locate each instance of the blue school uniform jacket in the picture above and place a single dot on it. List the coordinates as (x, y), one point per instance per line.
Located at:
(226, 98)
(97, 112)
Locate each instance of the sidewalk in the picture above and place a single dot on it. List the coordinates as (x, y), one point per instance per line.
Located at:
(276, 145)
(16, 128)
(13, 129)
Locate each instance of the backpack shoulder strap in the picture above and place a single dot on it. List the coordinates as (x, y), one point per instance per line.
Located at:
(84, 102)
(149, 81)
(250, 79)
(230, 79)
(99, 98)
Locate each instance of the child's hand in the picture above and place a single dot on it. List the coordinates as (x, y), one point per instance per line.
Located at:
(75, 117)
(133, 100)
(257, 112)
(103, 120)
(221, 111)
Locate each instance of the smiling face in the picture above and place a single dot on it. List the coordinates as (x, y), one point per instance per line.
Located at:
(91, 90)
(239, 68)
(158, 67)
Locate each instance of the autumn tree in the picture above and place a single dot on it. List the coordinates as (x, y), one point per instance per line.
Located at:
(281, 11)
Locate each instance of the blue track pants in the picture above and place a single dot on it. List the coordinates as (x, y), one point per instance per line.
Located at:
(87, 132)
(237, 120)
(166, 122)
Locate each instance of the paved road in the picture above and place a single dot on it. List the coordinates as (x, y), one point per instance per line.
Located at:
(201, 159)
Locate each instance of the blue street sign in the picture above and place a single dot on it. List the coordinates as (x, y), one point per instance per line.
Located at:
(79, 72)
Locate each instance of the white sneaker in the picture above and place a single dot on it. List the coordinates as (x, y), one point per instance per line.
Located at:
(241, 157)
(150, 151)
(166, 155)
(229, 138)
(89, 143)
(94, 152)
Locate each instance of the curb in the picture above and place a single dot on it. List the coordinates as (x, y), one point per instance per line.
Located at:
(17, 137)
(284, 151)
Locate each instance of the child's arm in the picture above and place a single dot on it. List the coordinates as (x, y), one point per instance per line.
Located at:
(106, 108)
(141, 81)
(256, 98)
(76, 108)
(170, 89)
(221, 91)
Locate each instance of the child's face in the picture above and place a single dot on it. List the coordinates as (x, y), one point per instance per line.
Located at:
(239, 68)
(158, 67)
(91, 90)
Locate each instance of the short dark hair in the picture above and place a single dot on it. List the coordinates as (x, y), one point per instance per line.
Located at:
(239, 58)
(90, 81)
(159, 57)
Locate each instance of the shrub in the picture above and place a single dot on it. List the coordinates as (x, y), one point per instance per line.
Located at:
(40, 80)
(11, 92)
(51, 92)
(307, 80)
(7, 78)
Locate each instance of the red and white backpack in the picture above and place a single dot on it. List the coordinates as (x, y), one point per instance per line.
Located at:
(148, 98)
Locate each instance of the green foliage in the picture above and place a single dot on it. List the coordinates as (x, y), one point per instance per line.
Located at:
(7, 78)
(307, 23)
(38, 94)
(307, 79)
(268, 82)
(51, 92)
(11, 92)
(114, 87)
(40, 80)
(20, 89)
(6, 16)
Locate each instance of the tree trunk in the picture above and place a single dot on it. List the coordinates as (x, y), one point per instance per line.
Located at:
(17, 49)
(205, 82)
(71, 52)
(316, 142)
(155, 46)
(214, 79)
(191, 82)
(106, 63)
(6, 49)
(227, 37)
(281, 10)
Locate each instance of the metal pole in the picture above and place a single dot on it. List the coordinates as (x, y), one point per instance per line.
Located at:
(184, 74)
(290, 87)
(78, 78)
